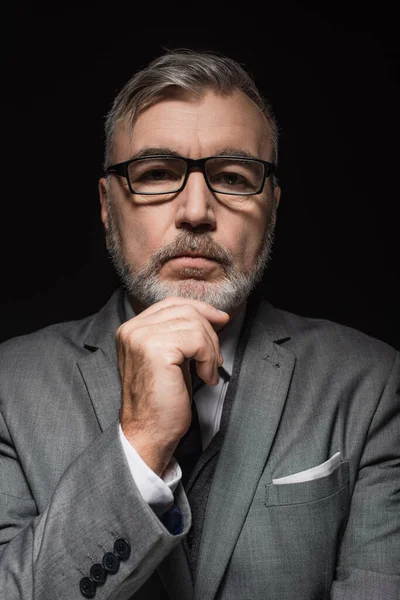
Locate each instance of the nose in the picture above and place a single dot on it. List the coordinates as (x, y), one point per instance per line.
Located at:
(196, 205)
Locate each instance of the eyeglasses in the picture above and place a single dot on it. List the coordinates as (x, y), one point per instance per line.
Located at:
(156, 175)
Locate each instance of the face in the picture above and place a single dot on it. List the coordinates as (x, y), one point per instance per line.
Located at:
(196, 243)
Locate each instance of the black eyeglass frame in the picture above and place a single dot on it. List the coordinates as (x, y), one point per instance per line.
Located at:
(121, 169)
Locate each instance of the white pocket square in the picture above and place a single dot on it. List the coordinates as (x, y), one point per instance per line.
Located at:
(317, 472)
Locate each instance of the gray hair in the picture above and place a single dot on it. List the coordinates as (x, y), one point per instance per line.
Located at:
(188, 70)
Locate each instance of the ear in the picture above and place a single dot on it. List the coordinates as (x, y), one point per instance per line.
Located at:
(103, 202)
(277, 195)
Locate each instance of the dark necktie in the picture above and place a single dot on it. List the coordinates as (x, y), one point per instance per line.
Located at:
(189, 448)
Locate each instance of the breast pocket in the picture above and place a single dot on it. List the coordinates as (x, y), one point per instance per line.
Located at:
(291, 536)
(290, 539)
(315, 490)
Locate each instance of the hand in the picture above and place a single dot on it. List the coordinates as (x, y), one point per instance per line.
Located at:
(154, 349)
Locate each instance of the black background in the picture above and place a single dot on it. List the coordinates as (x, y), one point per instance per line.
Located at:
(332, 77)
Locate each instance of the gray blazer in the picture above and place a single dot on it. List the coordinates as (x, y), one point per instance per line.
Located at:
(307, 389)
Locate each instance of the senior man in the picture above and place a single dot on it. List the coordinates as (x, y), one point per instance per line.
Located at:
(190, 440)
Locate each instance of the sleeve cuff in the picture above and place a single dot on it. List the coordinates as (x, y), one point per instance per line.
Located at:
(157, 492)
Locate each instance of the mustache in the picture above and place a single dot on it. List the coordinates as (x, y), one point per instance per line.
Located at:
(186, 243)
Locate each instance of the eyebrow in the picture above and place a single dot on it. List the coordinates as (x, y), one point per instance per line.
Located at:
(155, 151)
(238, 152)
(165, 151)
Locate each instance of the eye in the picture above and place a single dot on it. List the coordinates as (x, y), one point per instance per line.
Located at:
(234, 175)
(231, 181)
(231, 178)
(158, 175)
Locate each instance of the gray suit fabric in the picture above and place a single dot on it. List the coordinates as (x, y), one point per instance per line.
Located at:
(307, 389)
(198, 487)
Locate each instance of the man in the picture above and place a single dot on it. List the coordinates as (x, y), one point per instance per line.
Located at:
(191, 440)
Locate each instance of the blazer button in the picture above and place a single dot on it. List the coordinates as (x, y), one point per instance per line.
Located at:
(122, 549)
(110, 562)
(87, 587)
(98, 573)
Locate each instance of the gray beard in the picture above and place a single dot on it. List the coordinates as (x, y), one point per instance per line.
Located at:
(227, 294)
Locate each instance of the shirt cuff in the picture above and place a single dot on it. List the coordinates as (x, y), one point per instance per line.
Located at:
(156, 491)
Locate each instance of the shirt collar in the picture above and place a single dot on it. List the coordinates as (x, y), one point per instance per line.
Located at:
(228, 337)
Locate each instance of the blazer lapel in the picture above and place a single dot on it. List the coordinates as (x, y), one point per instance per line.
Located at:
(99, 368)
(263, 385)
(103, 385)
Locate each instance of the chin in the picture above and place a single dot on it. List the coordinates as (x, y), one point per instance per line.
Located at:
(189, 288)
(222, 294)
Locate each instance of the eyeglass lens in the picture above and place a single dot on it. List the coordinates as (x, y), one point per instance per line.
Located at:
(166, 174)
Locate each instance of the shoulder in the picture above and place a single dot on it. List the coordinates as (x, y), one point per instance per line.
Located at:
(35, 352)
(328, 342)
(69, 336)
(50, 354)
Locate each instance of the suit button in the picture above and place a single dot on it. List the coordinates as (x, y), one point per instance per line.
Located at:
(98, 573)
(110, 562)
(122, 549)
(87, 587)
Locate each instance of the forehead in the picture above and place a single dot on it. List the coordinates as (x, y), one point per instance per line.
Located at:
(198, 126)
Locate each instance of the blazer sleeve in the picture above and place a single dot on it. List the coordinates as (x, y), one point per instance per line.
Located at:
(95, 504)
(368, 565)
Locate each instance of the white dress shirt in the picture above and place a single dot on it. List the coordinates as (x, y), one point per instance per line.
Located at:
(157, 491)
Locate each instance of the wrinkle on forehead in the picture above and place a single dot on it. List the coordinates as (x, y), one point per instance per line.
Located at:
(191, 122)
(193, 119)
(194, 111)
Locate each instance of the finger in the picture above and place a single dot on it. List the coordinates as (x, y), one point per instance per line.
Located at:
(173, 348)
(198, 346)
(213, 341)
(171, 317)
(212, 314)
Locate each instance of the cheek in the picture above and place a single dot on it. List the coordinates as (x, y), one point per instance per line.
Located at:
(142, 233)
(248, 239)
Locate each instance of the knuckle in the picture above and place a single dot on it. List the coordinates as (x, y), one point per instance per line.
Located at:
(126, 336)
(122, 333)
(190, 309)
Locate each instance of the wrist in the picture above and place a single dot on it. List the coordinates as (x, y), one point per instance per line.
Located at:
(155, 453)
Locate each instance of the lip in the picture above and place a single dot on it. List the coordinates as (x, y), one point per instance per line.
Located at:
(193, 255)
(193, 258)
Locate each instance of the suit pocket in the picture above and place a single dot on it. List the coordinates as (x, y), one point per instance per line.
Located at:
(290, 539)
(308, 491)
